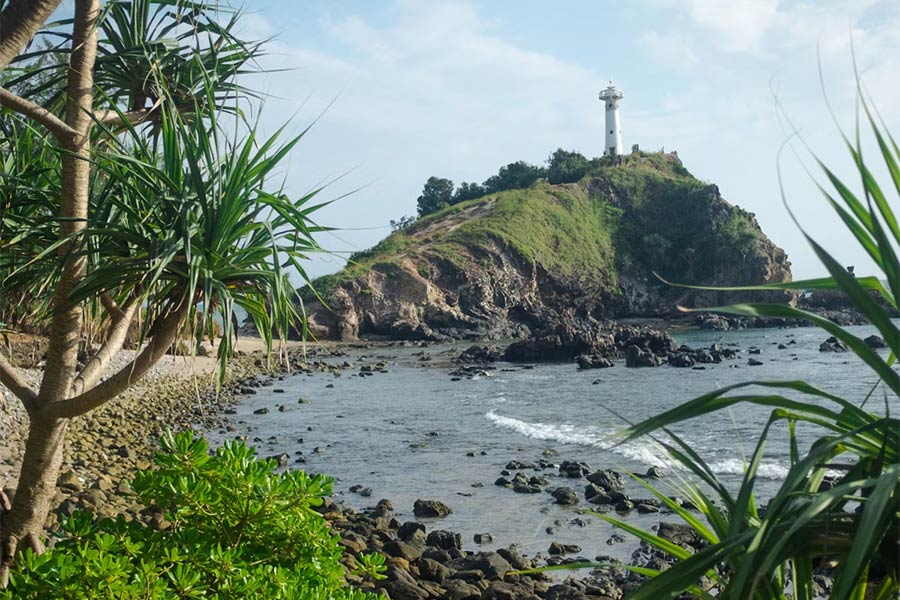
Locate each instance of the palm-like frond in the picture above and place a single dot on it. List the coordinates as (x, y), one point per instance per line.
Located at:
(149, 51)
(854, 522)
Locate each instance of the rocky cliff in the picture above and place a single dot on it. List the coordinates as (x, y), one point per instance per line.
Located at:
(516, 262)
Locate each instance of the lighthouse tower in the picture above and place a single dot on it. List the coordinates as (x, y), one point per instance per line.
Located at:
(611, 96)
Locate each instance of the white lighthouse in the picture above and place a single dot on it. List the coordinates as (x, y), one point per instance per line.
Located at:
(611, 96)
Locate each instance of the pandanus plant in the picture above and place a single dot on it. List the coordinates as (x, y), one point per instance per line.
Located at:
(129, 205)
(849, 524)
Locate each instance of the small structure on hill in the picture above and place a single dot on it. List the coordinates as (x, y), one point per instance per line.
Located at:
(611, 96)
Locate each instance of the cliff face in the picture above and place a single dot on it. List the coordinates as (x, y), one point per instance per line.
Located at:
(517, 262)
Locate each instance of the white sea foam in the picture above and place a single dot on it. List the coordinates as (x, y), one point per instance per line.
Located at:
(646, 451)
(766, 470)
(563, 432)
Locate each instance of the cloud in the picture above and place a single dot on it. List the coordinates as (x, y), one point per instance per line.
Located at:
(433, 92)
(435, 88)
(740, 25)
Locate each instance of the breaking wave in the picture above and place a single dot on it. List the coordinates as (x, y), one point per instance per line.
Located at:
(647, 452)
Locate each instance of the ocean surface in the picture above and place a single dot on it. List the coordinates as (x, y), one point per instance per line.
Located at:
(414, 432)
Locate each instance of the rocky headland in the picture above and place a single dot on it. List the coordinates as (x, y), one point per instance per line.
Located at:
(529, 262)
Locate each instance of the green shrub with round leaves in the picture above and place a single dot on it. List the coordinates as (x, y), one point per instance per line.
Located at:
(233, 529)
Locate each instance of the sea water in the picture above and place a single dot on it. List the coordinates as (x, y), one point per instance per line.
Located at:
(416, 432)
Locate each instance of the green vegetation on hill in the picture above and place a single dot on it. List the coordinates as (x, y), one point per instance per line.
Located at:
(563, 166)
(539, 224)
(643, 211)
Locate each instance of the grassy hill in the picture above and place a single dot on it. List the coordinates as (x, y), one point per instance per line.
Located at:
(599, 240)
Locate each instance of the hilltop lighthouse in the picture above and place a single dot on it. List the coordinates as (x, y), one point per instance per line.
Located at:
(611, 96)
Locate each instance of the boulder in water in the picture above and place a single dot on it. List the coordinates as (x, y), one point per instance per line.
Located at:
(431, 509)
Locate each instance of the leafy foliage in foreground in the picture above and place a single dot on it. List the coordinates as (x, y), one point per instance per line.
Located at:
(850, 520)
(237, 530)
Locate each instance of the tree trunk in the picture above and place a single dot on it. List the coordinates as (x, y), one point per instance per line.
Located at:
(36, 489)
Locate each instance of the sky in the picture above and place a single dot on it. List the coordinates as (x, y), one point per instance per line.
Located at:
(398, 91)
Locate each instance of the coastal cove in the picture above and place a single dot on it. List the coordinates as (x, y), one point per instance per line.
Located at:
(417, 431)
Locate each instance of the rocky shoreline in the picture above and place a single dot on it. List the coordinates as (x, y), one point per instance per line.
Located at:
(424, 560)
(105, 447)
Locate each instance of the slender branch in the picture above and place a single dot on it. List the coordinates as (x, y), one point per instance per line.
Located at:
(9, 376)
(166, 332)
(113, 119)
(27, 108)
(19, 21)
(115, 339)
(111, 307)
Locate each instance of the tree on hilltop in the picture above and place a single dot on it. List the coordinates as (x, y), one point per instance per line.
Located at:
(468, 191)
(566, 167)
(437, 194)
(517, 175)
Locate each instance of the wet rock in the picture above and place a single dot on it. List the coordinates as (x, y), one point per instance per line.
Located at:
(683, 535)
(432, 570)
(491, 564)
(607, 479)
(515, 559)
(437, 554)
(281, 459)
(445, 540)
(405, 590)
(601, 499)
(480, 354)
(592, 490)
(573, 469)
(558, 549)
(681, 360)
(654, 473)
(565, 496)
(615, 539)
(515, 465)
(362, 490)
(457, 589)
(647, 508)
(431, 509)
(261, 411)
(564, 592)
(411, 531)
(353, 542)
(875, 342)
(636, 357)
(593, 361)
(483, 538)
(526, 488)
(404, 550)
(832, 344)
(502, 590)
(754, 363)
